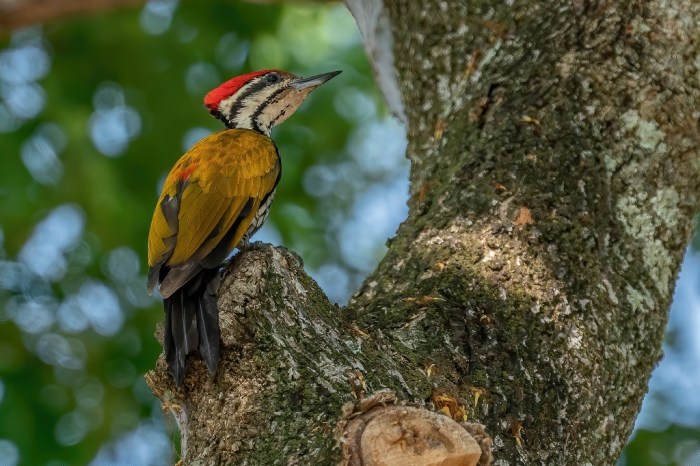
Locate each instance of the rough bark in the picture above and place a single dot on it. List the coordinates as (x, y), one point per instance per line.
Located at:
(555, 176)
(292, 364)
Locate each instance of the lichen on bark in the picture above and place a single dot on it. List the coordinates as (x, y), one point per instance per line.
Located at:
(580, 118)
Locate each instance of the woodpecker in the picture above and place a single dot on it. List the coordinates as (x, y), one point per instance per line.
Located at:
(215, 198)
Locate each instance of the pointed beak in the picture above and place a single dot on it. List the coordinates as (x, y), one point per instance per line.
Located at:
(313, 81)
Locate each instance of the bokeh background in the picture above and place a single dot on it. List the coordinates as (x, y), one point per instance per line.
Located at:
(93, 113)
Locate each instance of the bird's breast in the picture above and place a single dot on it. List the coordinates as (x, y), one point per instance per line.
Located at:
(260, 216)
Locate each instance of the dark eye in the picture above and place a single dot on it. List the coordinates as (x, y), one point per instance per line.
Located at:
(272, 78)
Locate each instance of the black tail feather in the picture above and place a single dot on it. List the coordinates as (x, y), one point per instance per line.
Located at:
(208, 325)
(192, 322)
(169, 342)
(181, 331)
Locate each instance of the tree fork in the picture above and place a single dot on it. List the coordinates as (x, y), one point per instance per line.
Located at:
(555, 177)
(291, 366)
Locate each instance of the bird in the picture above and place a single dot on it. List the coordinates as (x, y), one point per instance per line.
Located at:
(216, 196)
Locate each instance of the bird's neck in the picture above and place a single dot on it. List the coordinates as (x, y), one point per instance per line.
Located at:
(248, 125)
(239, 121)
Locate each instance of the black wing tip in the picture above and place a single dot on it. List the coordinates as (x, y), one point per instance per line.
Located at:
(152, 282)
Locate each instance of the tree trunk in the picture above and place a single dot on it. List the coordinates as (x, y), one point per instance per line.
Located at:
(555, 176)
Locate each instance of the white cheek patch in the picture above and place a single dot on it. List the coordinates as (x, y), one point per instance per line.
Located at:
(241, 119)
(226, 105)
(252, 102)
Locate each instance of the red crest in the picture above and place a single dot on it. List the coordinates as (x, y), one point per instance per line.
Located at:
(229, 88)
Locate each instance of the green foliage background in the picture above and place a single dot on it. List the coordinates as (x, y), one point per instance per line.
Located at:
(54, 410)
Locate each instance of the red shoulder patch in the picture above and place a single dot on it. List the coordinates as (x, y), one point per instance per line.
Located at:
(229, 88)
(187, 171)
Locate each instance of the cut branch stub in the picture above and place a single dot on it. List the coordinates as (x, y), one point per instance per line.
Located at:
(393, 435)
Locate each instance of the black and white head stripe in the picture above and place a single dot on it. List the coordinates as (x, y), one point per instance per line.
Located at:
(246, 108)
(262, 99)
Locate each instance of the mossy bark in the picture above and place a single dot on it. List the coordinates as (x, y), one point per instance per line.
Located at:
(555, 178)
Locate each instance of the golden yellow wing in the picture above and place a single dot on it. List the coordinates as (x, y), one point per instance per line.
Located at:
(207, 204)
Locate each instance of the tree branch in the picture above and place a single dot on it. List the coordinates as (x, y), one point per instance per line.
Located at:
(15, 14)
